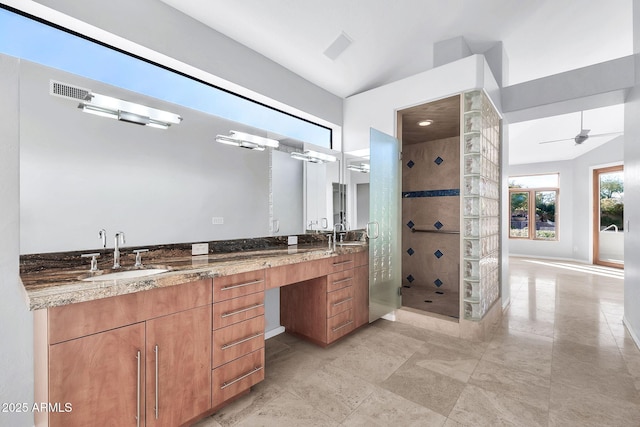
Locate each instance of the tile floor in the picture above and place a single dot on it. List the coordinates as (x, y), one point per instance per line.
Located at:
(561, 357)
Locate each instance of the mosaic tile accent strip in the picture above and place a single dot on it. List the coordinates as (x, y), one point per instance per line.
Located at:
(410, 164)
(410, 224)
(410, 251)
(410, 278)
(438, 225)
(438, 282)
(438, 254)
(431, 193)
(438, 161)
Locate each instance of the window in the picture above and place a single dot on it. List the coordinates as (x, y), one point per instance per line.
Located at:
(36, 41)
(533, 202)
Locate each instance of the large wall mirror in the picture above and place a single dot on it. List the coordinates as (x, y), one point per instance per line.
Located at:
(82, 172)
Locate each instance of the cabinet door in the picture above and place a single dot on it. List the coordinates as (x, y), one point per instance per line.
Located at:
(178, 367)
(101, 376)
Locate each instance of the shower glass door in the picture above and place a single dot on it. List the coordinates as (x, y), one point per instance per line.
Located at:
(384, 225)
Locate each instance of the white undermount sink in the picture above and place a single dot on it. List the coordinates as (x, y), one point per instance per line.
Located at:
(127, 274)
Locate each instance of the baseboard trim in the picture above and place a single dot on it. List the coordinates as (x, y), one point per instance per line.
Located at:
(634, 337)
(273, 332)
(553, 258)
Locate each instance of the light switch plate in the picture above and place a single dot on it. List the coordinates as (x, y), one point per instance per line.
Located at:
(293, 240)
(199, 249)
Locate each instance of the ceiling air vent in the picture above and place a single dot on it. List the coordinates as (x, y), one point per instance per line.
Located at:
(67, 91)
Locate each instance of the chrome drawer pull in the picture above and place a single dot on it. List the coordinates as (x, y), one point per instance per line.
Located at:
(157, 408)
(240, 378)
(337, 328)
(233, 344)
(335, 264)
(138, 392)
(342, 302)
(226, 288)
(343, 280)
(242, 310)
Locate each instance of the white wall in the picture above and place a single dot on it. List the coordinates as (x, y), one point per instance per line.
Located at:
(632, 191)
(16, 322)
(377, 107)
(574, 205)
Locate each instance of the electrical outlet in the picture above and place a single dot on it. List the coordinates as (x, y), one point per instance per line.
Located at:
(292, 240)
(217, 220)
(199, 249)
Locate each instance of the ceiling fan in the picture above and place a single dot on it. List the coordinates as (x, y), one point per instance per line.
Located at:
(583, 135)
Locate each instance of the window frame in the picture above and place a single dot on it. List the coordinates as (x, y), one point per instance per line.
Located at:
(531, 211)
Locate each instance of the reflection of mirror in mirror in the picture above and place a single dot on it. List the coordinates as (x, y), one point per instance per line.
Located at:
(357, 188)
(319, 193)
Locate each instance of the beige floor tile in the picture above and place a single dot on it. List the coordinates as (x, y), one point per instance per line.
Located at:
(521, 350)
(383, 408)
(455, 364)
(424, 386)
(481, 407)
(287, 410)
(513, 383)
(582, 407)
(240, 409)
(333, 391)
(597, 369)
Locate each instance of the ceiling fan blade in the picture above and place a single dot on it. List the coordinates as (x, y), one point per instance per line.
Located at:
(556, 140)
(606, 134)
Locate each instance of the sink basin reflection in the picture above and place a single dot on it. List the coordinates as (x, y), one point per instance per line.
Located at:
(127, 274)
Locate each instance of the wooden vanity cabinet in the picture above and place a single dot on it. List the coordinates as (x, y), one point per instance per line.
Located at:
(141, 359)
(326, 308)
(237, 335)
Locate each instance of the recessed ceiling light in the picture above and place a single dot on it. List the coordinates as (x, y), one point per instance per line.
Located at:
(425, 122)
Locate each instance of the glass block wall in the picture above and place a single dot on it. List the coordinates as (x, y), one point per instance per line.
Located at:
(481, 210)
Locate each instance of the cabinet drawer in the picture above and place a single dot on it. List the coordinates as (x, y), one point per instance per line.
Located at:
(236, 310)
(340, 263)
(339, 325)
(237, 340)
(86, 318)
(294, 273)
(339, 301)
(340, 280)
(237, 376)
(237, 285)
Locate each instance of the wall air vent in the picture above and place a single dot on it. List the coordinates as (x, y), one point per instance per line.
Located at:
(67, 91)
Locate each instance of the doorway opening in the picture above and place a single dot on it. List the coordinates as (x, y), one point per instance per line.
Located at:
(608, 216)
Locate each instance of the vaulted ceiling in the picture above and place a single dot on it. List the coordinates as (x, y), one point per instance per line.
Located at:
(393, 39)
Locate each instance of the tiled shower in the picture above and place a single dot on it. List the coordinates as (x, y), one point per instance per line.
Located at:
(448, 184)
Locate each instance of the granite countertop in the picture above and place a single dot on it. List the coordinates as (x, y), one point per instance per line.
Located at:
(55, 279)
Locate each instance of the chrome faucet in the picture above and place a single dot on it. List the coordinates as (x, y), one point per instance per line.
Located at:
(335, 228)
(119, 240)
(102, 234)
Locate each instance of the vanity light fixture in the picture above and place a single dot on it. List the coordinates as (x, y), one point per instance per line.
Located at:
(130, 112)
(247, 140)
(424, 123)
(361, 167)
(313, 156)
